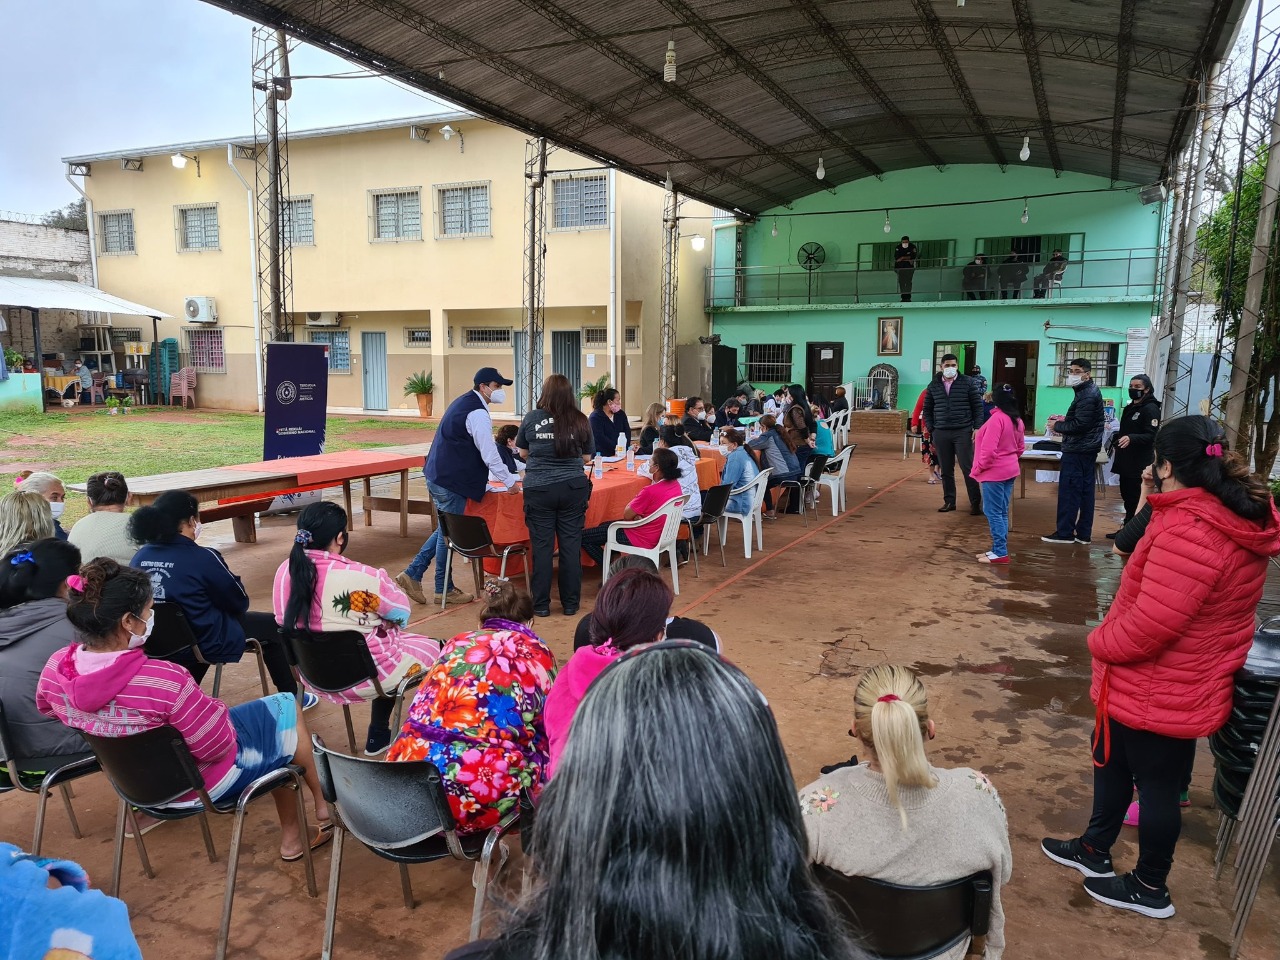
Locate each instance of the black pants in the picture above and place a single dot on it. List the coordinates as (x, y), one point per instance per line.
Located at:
(905, 276)
(804, 453)
(1158, 766)
(593, 541)
(1130, 492)
(977, 293)
(380, 709)
(263, 628)
(551, 513)
(775, 481)
(954, 446)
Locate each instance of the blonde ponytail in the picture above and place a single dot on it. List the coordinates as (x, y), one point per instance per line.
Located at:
(891, 712)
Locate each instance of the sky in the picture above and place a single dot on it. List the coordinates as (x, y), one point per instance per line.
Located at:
(89, 76)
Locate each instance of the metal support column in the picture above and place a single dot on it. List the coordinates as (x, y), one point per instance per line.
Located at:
(535, 266)
(271, 88)
(670, 284)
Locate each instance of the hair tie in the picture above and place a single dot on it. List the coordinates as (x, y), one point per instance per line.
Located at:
(304, 537)
(20, 558)
(76, 582)
(493, 587)
(1213, 450)
(888, 697)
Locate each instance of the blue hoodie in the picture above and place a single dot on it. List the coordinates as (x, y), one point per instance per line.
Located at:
(198, 580)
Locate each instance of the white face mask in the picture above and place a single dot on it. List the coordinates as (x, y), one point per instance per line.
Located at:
(57, 509)
(1074, 380)
(137, 640)
(950, 372)
(195, 530)
(701, 414)
(498, 396)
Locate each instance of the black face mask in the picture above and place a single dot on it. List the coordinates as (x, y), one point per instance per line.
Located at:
(1136, 394)
(1156, 480)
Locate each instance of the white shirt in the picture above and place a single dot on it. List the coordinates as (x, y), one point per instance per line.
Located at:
(480, 426)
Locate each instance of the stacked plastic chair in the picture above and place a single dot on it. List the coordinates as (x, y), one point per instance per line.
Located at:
(1246, 783)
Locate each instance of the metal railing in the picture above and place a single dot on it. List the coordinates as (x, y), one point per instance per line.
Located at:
(1093, 274)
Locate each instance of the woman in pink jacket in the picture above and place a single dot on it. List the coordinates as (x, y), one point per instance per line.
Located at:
(996, 449)
(1164, 657)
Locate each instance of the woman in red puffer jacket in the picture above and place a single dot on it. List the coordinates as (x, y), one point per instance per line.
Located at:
(1164, 656)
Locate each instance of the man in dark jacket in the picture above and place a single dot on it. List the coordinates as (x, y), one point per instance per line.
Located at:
(1135, 442)
(905, 255)
(973, 279)
(1081, 440)
(952, 412)
(698, 421)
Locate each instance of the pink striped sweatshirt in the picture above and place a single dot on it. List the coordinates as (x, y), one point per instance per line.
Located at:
(996, 449)
(133, 694)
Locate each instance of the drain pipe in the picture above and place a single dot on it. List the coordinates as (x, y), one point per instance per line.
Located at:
(253, 272)
(93, 240)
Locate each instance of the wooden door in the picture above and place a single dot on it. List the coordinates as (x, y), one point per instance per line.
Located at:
(1014, 362)
(824, 368)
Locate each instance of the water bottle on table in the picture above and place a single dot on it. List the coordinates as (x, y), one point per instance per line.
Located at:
(631, 460)
(621, 448)
(597, 470)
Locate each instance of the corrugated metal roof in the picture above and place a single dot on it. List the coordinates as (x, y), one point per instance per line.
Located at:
(766, 87)
(33, 294)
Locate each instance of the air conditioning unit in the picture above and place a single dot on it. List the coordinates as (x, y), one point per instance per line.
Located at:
(200, 310)
(316, 318)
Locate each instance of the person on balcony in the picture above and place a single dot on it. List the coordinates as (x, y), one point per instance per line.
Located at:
(905, 255)
(973, 279)
(1011, 275)
(1052, 273)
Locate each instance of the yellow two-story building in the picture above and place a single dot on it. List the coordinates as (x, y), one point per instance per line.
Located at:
(407, 242)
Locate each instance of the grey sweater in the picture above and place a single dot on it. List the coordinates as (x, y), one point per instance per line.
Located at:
(954, 829)
(30, 634)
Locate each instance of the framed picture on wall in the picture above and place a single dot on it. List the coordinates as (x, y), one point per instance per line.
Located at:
(889, 337)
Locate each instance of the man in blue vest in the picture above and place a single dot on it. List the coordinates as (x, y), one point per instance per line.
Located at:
(463, 455)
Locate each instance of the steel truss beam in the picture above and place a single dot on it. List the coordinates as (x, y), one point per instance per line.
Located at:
(271, 190)
(535, 269)
(1027, 35)
(670, 282)
(1124, 51)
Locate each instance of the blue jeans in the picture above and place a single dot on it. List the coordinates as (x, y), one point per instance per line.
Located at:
(996, 495)
(436, 548)
(1075, 496)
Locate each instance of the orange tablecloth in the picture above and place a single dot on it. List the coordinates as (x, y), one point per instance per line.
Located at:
(504, 512)
(707, 452)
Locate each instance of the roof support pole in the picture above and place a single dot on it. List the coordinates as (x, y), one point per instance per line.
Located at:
(670, 283)
(39, 349)
(535, 264)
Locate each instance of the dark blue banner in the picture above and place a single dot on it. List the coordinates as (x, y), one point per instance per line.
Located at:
(297, 393)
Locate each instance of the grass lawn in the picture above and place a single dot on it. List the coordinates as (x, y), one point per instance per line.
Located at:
(145, 442)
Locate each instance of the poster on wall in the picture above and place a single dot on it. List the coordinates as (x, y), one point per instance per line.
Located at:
(297, 395)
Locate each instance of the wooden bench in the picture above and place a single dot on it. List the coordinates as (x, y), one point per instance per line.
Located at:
(241, 514)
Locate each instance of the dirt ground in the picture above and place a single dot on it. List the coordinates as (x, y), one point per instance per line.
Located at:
(1003, 651)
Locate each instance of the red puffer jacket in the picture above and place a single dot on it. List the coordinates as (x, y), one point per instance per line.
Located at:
(1182, 621)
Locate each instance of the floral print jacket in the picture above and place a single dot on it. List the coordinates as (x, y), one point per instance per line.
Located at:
(478, 717)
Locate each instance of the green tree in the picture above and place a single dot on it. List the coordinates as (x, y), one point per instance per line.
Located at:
(70, 217)
(1228, 276)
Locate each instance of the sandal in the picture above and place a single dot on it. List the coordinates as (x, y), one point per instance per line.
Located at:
(990, 557)
(323, 836)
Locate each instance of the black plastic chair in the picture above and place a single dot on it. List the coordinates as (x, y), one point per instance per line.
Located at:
(153, 768)
(897, 922)
(39, 775)
(340, 661)
(807, 482)
(714, 501)
(172, 636)
(469, 536)
(400, 812)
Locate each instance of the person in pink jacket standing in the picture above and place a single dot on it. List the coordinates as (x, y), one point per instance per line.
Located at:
(1165, 656)
(996, 449)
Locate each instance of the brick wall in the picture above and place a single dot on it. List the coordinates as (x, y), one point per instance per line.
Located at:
(48, 253)
(863, 422)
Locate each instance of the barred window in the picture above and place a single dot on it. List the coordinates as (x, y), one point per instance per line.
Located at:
(417, 336)
(396, 215)
(1104, 358)
(580, 202)
(339, 344)
(198, 227)
(633, 336)
(931, 253)
(463, 210)
(115, 232)
(486, 336)
(205, 352)
(595, 336)
(769, 362)
(122, 335)
(299, 228)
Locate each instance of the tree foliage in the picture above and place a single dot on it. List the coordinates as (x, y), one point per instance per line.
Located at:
(70, 217)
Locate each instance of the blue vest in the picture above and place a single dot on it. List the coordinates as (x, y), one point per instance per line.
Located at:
(454, 462)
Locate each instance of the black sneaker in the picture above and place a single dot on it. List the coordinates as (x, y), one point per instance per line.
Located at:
(1129, 893)
(1083, 543)
(1071, 853)
(1055, 538)
(378, 743)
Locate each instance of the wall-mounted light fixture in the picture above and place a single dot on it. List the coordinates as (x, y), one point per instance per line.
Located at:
(449, 133)
(698, 242)
(180, 162)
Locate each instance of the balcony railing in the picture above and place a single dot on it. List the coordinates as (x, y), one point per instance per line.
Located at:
(1091, 275)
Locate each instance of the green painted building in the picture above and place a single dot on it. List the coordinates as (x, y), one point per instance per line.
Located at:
(810, 295)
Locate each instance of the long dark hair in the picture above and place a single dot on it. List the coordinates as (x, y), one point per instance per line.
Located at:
(798, 397)
(666, 873)
(607, 395)
(770, 422)
(673, 435)
(1006, 401)
(109, 591)
(318, 526)
(573, 430)
(159, 522)
(1196, 448)
(36, 571)
(666, 464)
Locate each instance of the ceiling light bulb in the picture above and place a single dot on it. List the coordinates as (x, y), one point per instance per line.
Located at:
(775, 226)
(1025, 153)
(669, 65)
(822, 171)
(887, 225)
(179, 160)
(1025, 216)
(698, 242)
(447, 132)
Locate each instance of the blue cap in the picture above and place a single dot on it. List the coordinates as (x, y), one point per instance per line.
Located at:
(491, 375)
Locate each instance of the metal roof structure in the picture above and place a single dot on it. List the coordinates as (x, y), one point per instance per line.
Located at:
(764, 88)
(35, 294)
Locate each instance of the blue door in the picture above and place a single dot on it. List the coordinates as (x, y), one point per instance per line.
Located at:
(373, 356)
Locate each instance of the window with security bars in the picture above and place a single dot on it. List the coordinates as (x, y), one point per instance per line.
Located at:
(1104, 358)
(339, 344)
(580, 202)
(198, 227)
(632, 336)
(463, 210)
(417, 336)
(299, 228)
(205, 351)
(115, 232)
(769, 362)
(120, 335)
(595, 336)
(486, 336)
(397, 215)
(1037, 248)
(931, 253)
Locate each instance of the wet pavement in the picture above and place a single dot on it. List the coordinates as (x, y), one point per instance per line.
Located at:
(1002, 651)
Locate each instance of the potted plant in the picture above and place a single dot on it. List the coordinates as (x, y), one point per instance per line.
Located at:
(113, 405)
(588, 392)
(421, 386)
(125, 403)
(13, 359)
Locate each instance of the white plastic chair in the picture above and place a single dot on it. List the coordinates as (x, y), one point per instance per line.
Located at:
(834, 478)
(842, 429)
(670, 512)
(753, 518)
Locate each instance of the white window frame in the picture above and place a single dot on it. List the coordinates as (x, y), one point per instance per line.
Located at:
(373, 213)
(438, 192)
(595, 336)
(631, 336)
(287, 234)
(417, 344)
(180, 232)
(556, 178)
(212, 333)
(325, 337)
(485, 344)
(102, 234)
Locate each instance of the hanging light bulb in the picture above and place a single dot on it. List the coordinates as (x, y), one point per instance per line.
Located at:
(887, 225)
(670, 183)
(1025, 216)
(698, 242)
(1025, 153)
(822, 171)
(669, 65)
(774, 231)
